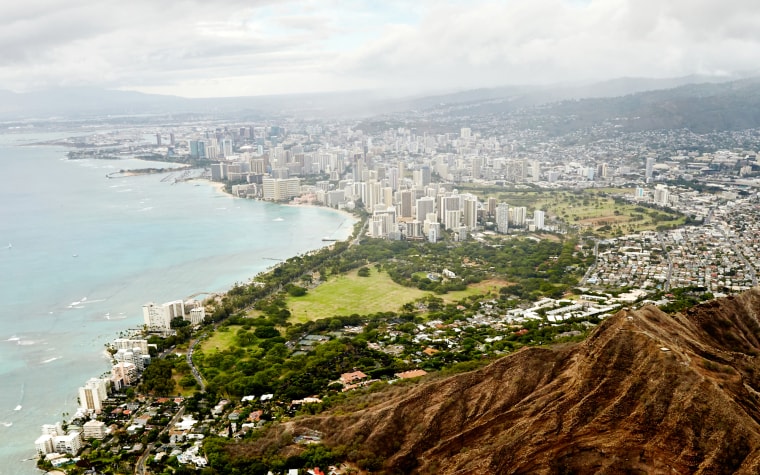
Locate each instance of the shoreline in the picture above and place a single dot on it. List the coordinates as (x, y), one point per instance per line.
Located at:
(220, 188)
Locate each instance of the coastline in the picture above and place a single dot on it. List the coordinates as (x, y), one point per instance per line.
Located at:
(220, 187)
(116, 190)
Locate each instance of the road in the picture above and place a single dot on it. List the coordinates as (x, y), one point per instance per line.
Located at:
(196, 373)
(670, 260)
(592, 266)
(739, 253)
(140, 465)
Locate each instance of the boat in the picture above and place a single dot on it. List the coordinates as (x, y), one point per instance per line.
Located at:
(18, 408)
(10, 245)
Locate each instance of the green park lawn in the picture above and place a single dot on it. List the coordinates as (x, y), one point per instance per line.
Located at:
(221, 339)
(491, 286)
(348, 294)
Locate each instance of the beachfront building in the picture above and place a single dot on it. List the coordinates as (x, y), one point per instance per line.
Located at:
(196, 315)
(280, 189)
(123, 374)
(44, 444)
(92, 395)
(70, 443)
(130, 344)
(158, 317)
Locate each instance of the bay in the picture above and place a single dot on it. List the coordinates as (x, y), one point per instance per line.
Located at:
(80, 254)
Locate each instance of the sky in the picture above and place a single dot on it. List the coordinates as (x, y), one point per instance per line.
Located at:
(221, 48)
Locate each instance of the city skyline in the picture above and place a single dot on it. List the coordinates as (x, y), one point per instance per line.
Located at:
(194, 49)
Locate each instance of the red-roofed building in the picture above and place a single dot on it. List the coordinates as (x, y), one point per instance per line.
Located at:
(348, 378)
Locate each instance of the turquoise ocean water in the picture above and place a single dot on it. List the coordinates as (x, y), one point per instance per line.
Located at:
(80, 254)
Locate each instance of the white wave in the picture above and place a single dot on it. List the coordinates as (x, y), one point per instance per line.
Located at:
(95, 301)
(148, 208)
(278, 219)
(83, 299)
(26, 342)
(17, 408)
(50, 360)
(74, 303)
(7, 424)
(13, 338)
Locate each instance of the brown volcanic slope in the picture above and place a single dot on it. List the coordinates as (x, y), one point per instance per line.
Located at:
(645, 393)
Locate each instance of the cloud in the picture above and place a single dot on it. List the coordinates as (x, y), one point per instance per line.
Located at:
(238, 47)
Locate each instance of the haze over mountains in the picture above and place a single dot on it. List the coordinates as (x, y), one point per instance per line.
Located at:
(647, 392)
(78, 103)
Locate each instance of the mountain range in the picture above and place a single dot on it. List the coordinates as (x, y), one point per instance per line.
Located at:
(598, 98)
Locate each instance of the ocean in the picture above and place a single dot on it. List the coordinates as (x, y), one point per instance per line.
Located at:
(80, 254)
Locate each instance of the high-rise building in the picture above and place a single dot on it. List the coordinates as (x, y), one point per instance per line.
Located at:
(502, 218)
(470, 214)
(477, 166)
(159, 317)
(491, 206)
(280, 189)
(406, 203)
(198, 149)
(602, 170)
(649, 168)
(386, 193)
(452, 219)
(538, 219)
(92, 395)
(535, 170)
(425, 205)
(518, 215)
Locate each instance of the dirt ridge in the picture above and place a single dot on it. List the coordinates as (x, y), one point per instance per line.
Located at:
(647, 392)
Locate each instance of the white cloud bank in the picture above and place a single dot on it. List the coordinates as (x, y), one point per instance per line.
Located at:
(231, 47)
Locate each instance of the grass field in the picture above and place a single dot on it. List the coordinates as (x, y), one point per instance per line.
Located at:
(349, 294)
(481, 288)
(220, 340)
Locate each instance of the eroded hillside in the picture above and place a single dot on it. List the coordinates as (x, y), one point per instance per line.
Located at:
(647, 392)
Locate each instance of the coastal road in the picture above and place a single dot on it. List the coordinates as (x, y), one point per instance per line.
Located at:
(358, 238)
(196, 373)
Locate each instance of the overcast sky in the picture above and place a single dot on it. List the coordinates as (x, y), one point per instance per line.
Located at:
(202, 48)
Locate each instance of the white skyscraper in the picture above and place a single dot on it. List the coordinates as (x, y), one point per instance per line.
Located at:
(502, 218)
(159, 317)
(538, 219)
(92, 395)
(649, 168)
(425, 205)
(519, 214)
